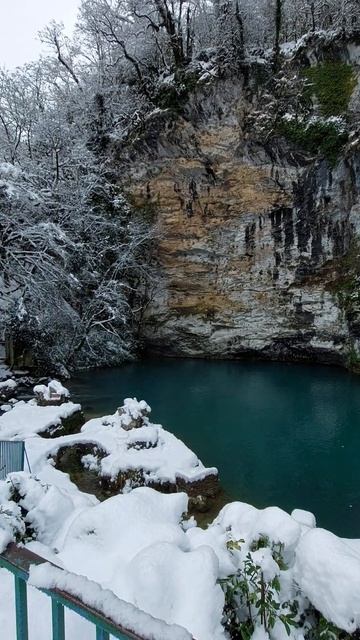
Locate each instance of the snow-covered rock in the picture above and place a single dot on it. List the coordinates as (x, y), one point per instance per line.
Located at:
(306, 518)
(52, 394)
(133, 414)
(327, 571)
(33, 508)
(7, 388)
(27, 419)
(156, 454)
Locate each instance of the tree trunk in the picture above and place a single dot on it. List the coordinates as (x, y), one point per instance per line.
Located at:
(278, 24)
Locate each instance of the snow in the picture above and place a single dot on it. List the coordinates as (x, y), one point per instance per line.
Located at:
(260, 634)
(245, 522)
(264, 559)
(159, 455)
(53, 388)
(11, 523)
(290, 49)
(305, 518)
(8, 174)
(146, 562)
(74, 531)
(167, 461)
(327, 570)
(4, 369)
(163, 458)
(8, 384)
(48, 507)
(136, 551)
(27, 419)
(175, 584)
(135, 548)
(135, 409)
(46, 576)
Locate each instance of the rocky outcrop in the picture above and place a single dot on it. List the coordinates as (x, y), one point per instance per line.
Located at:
(253, 235)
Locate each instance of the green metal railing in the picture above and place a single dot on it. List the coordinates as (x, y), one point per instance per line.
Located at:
(18, 561)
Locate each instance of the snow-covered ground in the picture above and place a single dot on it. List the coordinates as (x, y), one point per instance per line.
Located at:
(141, 547)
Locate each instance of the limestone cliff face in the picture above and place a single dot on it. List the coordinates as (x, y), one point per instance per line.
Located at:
(252, 237)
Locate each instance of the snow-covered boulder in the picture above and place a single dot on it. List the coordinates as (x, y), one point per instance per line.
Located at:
(133, 414)
(175, 584)
(327, 571)
(138, 547)
(126, 456)
(51, 395)
(133, 444)
(28, 418)
(7, 388)
(305, 518)
(30, 508)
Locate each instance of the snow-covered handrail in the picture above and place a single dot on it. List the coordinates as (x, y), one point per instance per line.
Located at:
(109, 614)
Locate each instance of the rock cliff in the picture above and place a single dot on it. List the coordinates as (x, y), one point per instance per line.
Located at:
(258, 239)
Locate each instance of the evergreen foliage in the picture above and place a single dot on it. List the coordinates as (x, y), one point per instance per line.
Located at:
(315, 137)
(332, 83)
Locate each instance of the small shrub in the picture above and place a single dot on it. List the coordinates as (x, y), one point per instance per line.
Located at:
(250, 599)
(315, 137)
(325, 630)
(260, 543)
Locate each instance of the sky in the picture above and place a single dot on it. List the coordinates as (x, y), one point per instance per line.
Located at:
(20, 21)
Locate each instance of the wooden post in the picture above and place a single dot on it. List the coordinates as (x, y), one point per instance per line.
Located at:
(101, 634)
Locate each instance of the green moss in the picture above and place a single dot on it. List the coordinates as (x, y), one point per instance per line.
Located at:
(332, 83)
(317, 137)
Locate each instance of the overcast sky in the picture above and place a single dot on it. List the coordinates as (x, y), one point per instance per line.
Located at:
(20, 21)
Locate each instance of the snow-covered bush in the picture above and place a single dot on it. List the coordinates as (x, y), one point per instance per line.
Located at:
(252, 594)
(31, 509)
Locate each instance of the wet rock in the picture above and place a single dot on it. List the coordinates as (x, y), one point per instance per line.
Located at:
(199, 503)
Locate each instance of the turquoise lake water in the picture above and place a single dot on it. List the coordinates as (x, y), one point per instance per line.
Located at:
(286, 435)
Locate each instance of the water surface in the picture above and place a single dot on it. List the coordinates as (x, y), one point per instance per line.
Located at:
(286, 435)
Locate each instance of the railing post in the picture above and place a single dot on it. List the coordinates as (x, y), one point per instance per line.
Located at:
(58, 620)
(101, 634)
(21, 609)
